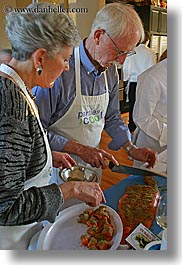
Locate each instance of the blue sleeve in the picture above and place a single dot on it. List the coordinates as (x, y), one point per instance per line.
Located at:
(44, 104)
(114, 125)
(47, 100)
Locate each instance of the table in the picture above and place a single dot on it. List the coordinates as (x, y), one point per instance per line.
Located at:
(114, 193)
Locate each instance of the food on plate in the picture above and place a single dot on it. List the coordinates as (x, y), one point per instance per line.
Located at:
(100, 229)
(138, 205)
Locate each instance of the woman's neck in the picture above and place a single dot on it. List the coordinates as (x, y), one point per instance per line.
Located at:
(23, 69)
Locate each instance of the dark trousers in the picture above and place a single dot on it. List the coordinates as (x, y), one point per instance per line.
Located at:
(132, 98)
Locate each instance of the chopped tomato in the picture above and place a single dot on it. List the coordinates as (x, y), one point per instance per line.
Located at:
(100, 231)
(92, 230)
(104, 244)
(83, 218)
(92, 221)
(107, 232)
(84, 240)
(92, 243)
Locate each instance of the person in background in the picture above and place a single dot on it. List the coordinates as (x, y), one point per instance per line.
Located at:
(150, 111)
(5, 55)
(42, 44)
(75, 117)
(132, 68)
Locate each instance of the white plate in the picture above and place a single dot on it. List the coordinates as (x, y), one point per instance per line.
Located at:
(42, 236)
(33, 242)
(65, 232)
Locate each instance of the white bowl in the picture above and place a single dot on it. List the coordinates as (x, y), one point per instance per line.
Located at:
(153, 245)
(79, 173)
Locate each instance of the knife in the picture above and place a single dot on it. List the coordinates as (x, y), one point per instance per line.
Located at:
(133, 170)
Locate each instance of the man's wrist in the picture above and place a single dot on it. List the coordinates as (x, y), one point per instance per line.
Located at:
(129, 147)
(73, 147)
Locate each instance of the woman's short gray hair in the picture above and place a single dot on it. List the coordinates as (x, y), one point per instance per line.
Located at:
(118, 20)
(38, 27)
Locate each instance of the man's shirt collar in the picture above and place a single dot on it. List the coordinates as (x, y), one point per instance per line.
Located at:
(88, 65)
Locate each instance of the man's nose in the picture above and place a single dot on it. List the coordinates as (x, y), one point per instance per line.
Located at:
(121, 58)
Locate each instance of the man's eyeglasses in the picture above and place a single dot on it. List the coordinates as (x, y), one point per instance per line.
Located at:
(119, 51)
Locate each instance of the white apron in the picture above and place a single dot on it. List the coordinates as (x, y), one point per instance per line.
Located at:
(18, 237)
(85, 119)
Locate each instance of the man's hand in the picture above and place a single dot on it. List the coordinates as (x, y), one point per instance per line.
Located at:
(94, 156)
(144, 155)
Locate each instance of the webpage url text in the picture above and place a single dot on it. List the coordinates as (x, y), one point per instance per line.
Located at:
(49, 9)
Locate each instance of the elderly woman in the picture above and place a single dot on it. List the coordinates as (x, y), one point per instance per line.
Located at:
(42, 44)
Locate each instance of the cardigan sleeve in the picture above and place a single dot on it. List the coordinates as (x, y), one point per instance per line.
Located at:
(22, 156)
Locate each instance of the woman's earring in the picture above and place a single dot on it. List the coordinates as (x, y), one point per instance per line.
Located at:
(39, 70)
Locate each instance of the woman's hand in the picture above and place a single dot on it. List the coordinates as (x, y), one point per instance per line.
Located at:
(88, 192)
(62, 160)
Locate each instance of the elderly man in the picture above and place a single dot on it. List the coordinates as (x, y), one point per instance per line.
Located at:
(84, 100)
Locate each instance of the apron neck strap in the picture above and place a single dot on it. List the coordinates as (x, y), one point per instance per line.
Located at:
(77, 72)
(17, 79)
(9, 71)
(106, 83)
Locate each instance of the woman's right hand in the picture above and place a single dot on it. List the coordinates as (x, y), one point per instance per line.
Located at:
(62, 160)
(88, 192)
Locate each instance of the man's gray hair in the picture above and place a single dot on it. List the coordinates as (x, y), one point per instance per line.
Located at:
(29, 30)
(118, 20)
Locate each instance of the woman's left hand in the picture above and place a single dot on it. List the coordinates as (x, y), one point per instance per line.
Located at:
(62, 160)
(144, 155)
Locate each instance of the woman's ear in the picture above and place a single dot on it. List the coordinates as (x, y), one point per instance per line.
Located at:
(38, 57)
